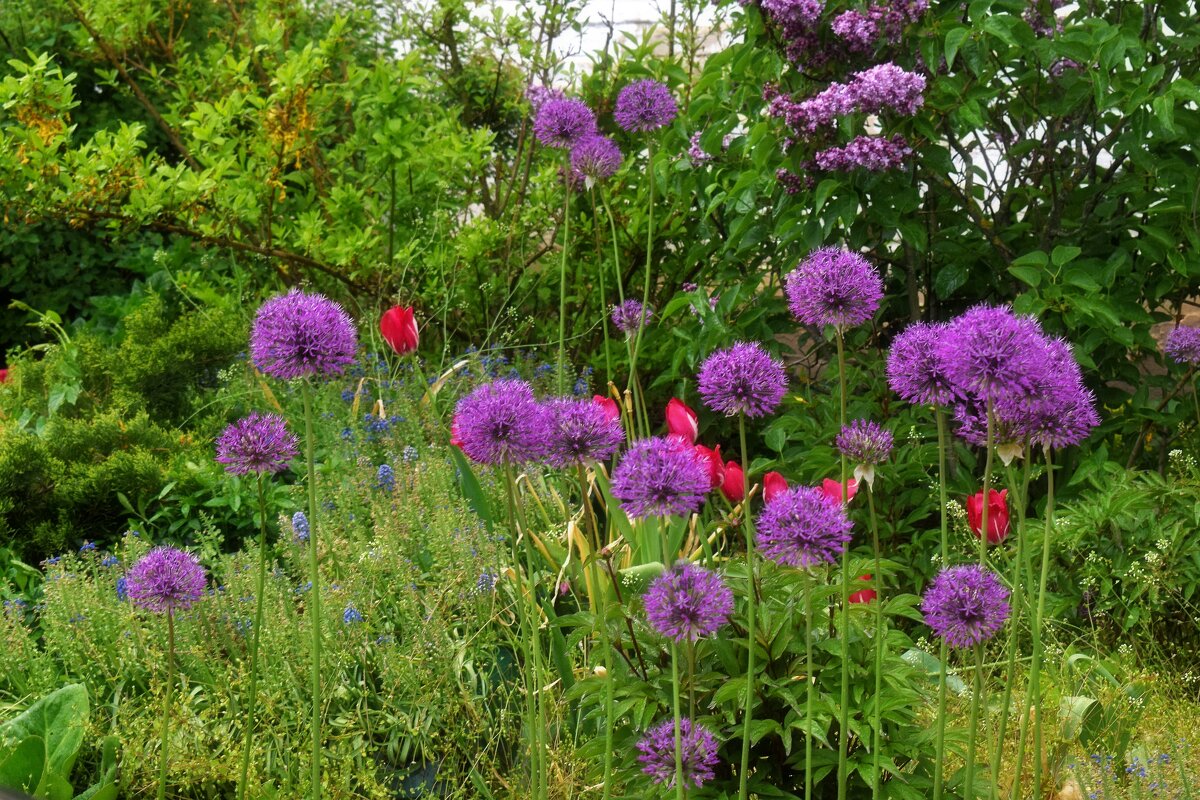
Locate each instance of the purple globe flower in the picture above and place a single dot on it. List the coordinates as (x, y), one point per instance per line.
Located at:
(502, 423)
(595, 158)
(644, 105)
(256, 443)
(742, 379)
(658, 477)
(165, 580)
(581, 431)
(563, 122)
(631, 315)
(833, 287)
(1183, 345)
(698, 748)
(913, 368)
(965, 605)
(299, 334)
(994, 355)
(1060, 411)
(687, 603)
(800, 527)
(864, 442)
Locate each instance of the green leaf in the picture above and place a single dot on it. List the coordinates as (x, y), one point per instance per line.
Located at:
(22, 767)
(471, 490)
(1031, 276)
(1064, 254)
(58, 720)
(954, 40)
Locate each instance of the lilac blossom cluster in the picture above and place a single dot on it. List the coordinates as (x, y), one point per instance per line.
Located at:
(872, 153)
(884, 87)
(798, 22)
(862, 31)
(1042, 17)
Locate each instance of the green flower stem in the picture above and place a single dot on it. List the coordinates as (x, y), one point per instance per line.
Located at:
(751, 609)
(679, 782)
(562, 288)
(1018, 501)
(600, 270)
(944, 652)
(987, 484)
(252, 704)
(1035, 669)
(609, 694)
(637, 342)
(529, 641)
(880, 633)
(843, 776)
(973, 725)
(811, 688)
(166, 720)
(314, 575)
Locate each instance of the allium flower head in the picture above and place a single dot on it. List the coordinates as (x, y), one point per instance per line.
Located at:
(865, 444)
(1060, 410)
(1183, 345)
(965, 605)
(658, 477)
(563, 122)
(582, 431)
(595, 158)
(742, 379)
(833, 287)
(502, 423)
(256, 443)
(644, 105)
(300, 334)
(631, 315)
(165, 580)
(913, 368)
(688, 602)
(800, 527)
(990, 353)
(698, 748)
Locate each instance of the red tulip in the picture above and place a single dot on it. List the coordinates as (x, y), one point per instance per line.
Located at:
(863, 595)
(399, 329)
(773, 484)
(682, 422)
(734, 487)
(997, 515)
(4, 375)
(611, 409)
(832, 490)
(454, 437)
(716, 467)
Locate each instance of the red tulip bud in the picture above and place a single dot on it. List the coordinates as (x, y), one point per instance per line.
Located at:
(611, 409)
(832, 490)
(734, 487)
(682, 422)
(997, 515)
(4, 375)
(454, 438)
(863, 595)
(773, 484)
(712, 460)
(399, 329)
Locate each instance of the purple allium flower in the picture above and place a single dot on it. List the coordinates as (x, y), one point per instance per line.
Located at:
(165, 580)
(256, 443)
(563, 122)
(595, 158)
(833, 287)
(687, 603)
(644, 105)
(502, 423)
(698, 748)
(1061, 411)
(538, 95)
(300, 529)
(658, 477)
(873, 153)
(801, 527)
(863, 441)
(913, 369)
(1183, 345)
(992, 354)
(965, 605)
(299, 334)
(742, 379)
(631, 315)
(581, 431)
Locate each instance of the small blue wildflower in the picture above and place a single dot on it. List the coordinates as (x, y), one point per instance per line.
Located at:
(77, 618)
(351, 615)
(53, 560)
(486, 582)
(384, 640)
(300, 528)
(409, 454)
(243, 626)
(329, 505)
(87, 547)
(304, 587)
(385, 478)
(347, 434)
(122, 588)
(348, 395)
(110, 561)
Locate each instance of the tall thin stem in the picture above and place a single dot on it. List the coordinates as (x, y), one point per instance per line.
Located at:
(1018, 502)
(259, 591)
(166, 720)
(877, 732)
(843, 776)
(679, 781)
(811, 688)
(314, 575)
(751, 610)
(987, 483)
(600, 270)
(944, 652)
(637, 340)
(562, 287)
(973, 725)
(1035, 673)
(609, 694)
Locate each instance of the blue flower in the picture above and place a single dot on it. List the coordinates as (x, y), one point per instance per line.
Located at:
(87, 547)
(410, 454)
(486, 582)
(385, 478)
(300, 527)
(110, 561)
(122, 590)
(351, 615)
